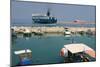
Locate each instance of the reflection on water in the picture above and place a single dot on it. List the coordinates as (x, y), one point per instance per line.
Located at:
(46, 48)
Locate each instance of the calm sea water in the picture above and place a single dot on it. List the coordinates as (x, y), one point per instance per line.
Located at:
(46, 49)
(57, 24)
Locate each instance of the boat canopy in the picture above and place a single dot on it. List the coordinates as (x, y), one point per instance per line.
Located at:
(76, 48)
(22, 51)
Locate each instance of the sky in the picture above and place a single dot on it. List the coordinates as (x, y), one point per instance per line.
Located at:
(21, 12)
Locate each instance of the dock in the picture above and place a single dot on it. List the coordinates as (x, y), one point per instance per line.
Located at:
(38, 29)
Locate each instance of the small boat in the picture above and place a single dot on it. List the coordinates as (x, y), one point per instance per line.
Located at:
(77, 52)
(25, 57)
(67, 33)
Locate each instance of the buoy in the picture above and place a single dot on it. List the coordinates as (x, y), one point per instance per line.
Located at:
(62, 52)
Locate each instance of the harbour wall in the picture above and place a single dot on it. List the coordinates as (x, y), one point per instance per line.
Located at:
(50, 29)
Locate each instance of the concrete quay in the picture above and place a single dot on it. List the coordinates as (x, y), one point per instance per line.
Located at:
(57, 29)
(38, 29)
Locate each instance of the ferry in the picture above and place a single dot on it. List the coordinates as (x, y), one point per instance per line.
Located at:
(44, 19)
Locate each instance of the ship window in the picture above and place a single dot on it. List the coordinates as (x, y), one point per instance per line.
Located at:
(41, 17)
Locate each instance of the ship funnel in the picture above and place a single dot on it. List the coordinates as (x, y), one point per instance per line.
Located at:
(48, 12)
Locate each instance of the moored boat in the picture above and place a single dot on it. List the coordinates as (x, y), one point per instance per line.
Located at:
(77, 52)
(25, 57)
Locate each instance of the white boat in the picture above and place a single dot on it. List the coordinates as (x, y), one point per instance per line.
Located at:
(67, 33)
(77, 49)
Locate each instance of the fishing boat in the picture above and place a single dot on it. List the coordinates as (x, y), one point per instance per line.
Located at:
(67, 33)
(25, 57)
(77, 52)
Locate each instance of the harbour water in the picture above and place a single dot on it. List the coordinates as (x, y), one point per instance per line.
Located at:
(46, 48)
(57, 24)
